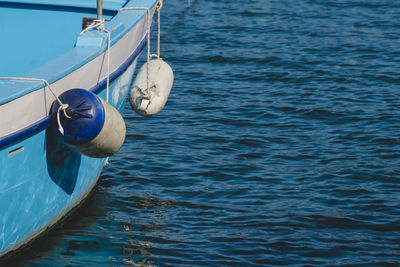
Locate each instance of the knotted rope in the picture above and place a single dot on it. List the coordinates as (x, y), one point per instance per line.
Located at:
(146, 94)
(63, 107)
(99, 25)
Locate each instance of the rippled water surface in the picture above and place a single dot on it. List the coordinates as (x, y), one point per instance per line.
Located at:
(279, 144)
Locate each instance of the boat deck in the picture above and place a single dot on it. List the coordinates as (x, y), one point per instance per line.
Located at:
(37, 32)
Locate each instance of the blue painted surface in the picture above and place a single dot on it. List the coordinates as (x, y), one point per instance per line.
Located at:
(279, 145)
(37, 37)
(67, 60)
(107, 4)
(29, 194)
(24, 133)
(41, 178)
(86, 116)
(100, 87)
(45, 178)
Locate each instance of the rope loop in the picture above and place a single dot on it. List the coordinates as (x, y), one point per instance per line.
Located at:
(149, 55)
(35, 80)
(159, 5)
(99, 25)
(62, 108)
(158, 8)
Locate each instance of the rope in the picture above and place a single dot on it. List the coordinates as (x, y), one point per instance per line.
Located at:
(158, 8)
(99, 24)
(148, 39)
(63, 107)
(149, 56)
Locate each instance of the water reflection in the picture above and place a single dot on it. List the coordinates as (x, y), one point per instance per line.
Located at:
(142, 229)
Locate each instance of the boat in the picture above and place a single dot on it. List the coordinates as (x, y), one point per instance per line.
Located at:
(67, 69)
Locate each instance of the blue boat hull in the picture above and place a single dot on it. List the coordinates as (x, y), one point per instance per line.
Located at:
(33, 198)
(41, 178)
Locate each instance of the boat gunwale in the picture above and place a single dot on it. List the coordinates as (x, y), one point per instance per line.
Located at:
(107, 6)
(41, 124)
(45, 122)
(115, 26)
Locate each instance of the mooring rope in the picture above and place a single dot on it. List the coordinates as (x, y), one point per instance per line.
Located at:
(148, 39)
(149, 55)
(63, 107)
(159, 6)
(99, 24)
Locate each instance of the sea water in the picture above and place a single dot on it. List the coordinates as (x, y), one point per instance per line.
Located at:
(279, 145)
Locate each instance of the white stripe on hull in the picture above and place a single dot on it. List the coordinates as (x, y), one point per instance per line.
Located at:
(30, 108)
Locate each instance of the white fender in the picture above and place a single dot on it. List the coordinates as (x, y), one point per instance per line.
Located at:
(148, 102)
(89, 125)
(110, 138)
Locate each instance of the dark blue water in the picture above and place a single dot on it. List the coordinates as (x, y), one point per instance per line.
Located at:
(279, 145)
